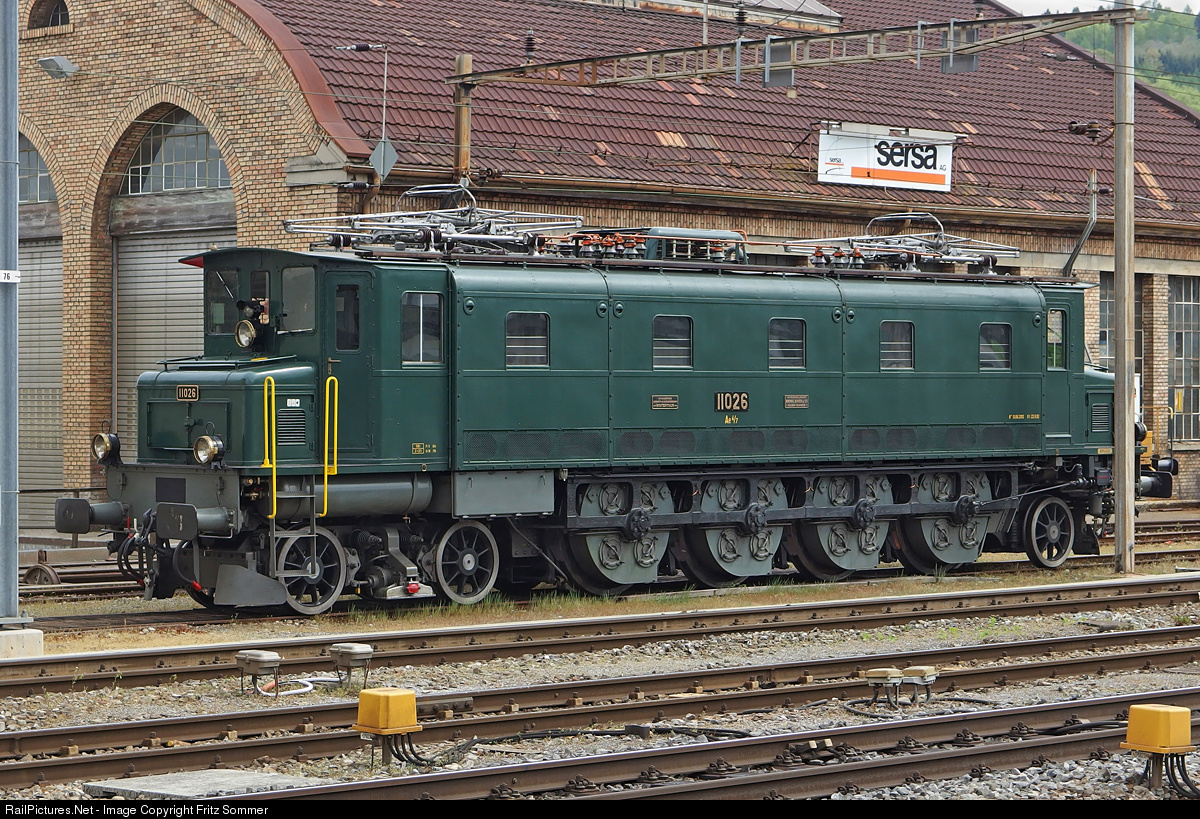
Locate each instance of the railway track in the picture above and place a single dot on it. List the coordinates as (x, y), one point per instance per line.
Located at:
(66, 754)
(101, 578)
(863, 756)
(94, 622)
(139, 667)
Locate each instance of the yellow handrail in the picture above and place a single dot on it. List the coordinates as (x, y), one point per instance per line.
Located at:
(270, 452)
(331, 381)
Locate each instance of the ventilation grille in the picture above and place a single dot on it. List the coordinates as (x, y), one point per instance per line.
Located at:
(1102, 418)
(290, 427)
(534, 446)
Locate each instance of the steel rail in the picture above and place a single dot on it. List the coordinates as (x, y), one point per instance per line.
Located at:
(156, 666)
(570, 705)
(696, 759)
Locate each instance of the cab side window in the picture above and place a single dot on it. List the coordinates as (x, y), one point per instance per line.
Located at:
(1056, 340)
(346, 320)
(421, 328)
(299, 299)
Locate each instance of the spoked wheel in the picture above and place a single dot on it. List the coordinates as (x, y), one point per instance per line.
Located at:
(808, 557)
(41, 574)
(1049, 532)
(701, 567)
(580, 568)
(312, 571)
(915, 552)
(466, 561)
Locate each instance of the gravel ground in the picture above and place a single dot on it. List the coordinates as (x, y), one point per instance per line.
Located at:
(1111, 779)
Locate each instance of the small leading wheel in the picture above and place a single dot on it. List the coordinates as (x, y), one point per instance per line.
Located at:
(466, 561)
(1049, 532)
(312, 571)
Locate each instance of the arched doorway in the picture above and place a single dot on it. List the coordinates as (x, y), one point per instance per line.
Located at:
(175, 201)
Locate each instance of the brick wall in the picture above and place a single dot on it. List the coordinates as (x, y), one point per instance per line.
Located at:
(138, 58)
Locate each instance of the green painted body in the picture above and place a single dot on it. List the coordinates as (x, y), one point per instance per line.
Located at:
(601, 403)
(388, 426)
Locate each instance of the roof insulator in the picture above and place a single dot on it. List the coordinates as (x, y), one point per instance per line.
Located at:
(741, 19)
(529, 46)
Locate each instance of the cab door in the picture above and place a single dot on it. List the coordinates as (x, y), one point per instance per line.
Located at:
(1059, 389)
(348, 341)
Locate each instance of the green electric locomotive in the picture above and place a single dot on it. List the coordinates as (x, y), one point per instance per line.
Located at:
(445, 402)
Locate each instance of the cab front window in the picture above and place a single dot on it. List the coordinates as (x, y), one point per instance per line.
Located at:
(220, 301)
(230, 296)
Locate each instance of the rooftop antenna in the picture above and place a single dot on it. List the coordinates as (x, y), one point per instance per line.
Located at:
(384, 157)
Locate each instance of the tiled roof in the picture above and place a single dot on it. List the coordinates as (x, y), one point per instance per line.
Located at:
(728, 137)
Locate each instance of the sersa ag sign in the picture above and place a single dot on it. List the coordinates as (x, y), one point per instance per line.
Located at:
(858, 154)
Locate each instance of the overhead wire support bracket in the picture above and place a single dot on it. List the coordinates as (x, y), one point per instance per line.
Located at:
(875, 45)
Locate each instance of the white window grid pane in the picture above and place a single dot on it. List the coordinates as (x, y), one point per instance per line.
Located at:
(896, 345)
(1183, 312)
(672, 342)
(786, 343)
(33, 177)
(1106, 335)
(527, 340)
(177, 154)
(59, 15)
(995, 347)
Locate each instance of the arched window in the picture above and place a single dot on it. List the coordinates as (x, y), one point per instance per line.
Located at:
(178, 154)
(49, 13)
(33, 179)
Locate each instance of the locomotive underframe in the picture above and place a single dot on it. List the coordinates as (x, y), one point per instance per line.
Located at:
(610, 529)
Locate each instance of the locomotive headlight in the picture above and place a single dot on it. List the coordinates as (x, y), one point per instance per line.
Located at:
(244, 333)
(208, 449)
(106, 446)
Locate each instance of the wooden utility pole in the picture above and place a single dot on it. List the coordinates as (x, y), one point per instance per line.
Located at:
(462, 119)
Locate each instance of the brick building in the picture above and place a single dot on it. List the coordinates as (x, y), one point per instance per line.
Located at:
(151, 130)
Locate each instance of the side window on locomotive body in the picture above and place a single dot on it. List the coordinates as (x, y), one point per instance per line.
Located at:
(1056, 339)
(896, 345)
(527, 340)
(785, 344)
(672, 345)
(299, 286)
(421, 328)
(346, 317)
(995, 347)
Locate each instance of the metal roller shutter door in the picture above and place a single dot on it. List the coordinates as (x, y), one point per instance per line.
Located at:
(159, 311)
(39, 380)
